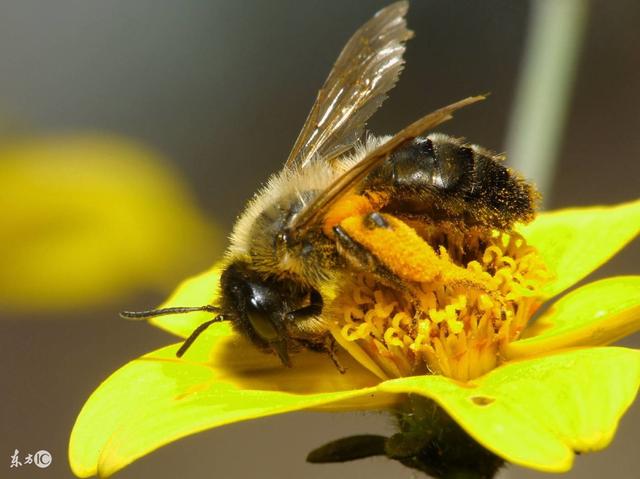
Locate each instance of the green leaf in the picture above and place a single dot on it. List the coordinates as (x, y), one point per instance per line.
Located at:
(596, 314)
(575, 242)
(158, 398)
(535, 413)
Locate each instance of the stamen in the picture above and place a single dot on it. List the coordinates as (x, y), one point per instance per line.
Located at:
(454, 329)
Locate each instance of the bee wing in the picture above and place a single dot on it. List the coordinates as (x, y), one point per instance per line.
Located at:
(313, 213)
(367, 68)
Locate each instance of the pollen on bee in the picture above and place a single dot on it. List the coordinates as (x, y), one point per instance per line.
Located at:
(351, 205)
(456, 329)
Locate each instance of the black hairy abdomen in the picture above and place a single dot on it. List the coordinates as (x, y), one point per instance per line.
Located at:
(442, 179)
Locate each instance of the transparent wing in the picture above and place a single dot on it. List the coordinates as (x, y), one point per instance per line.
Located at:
(367, 68)
(313, 214)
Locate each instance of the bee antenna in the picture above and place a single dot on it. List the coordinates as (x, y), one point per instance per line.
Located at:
(197, 332)
(160, 312)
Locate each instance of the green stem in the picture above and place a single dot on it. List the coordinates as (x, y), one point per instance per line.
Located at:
(430, 441)
(544, 89)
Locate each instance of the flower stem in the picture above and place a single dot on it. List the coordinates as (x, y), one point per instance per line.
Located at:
(430, 441)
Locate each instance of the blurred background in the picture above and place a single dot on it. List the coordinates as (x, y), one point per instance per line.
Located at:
(132, 133)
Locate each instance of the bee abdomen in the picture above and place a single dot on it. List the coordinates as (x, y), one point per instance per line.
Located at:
(443, 179)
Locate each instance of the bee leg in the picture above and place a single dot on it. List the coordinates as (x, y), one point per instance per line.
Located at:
(310, 339)
(364, 260)
(391, 249)
(334, 359)
(314, 308)
(330, 349)
(327, 344)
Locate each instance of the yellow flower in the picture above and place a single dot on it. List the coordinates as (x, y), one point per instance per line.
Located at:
(85, 219)
(533, 401)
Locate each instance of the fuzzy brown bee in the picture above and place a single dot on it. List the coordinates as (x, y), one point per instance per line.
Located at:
(341, 206)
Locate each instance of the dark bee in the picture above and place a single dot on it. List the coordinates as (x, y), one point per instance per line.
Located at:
(296, 240)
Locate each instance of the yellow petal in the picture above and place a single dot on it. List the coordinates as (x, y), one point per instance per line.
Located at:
(535, 413)
(198, 290)
(88, 219)
(575, 242)
(596, 314)
(158, 399)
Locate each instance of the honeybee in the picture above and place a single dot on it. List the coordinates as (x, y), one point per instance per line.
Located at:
(314, 224)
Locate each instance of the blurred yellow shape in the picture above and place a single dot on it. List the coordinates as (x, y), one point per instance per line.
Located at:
(87, 219)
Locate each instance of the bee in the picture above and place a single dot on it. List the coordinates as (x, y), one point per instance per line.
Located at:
(342, 206)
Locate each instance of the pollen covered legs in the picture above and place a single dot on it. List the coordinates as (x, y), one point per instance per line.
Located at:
(388, 248)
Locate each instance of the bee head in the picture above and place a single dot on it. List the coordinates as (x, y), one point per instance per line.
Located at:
(258, 307)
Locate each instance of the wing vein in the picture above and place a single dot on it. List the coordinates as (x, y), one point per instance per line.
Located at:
(366, 69)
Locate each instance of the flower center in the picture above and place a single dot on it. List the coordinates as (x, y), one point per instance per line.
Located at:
(452, 328)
